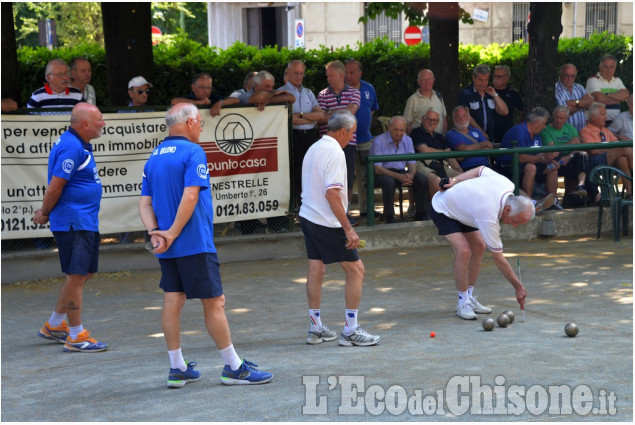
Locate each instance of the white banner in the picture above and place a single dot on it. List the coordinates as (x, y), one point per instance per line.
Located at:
(247, 152)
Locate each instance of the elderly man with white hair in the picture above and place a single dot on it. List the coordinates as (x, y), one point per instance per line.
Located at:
(57, 92)
(468, 211)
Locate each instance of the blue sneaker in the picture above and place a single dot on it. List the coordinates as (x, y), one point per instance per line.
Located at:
(246, 374)
(178, 379)
(84, 344)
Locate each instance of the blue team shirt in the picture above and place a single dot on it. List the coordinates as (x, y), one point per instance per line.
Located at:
(456, 139)
(174, 165)
(520, 133)
(71, 159)
(364, 114)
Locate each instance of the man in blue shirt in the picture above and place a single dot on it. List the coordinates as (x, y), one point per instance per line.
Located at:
(176, 208)
(71, 204)
(364, 115)
(464, 137)
(390, 175)
(534, 168)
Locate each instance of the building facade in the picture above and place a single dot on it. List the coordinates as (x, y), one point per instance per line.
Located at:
(335, 24)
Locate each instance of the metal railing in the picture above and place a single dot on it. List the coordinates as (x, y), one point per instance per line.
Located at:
(514, 152)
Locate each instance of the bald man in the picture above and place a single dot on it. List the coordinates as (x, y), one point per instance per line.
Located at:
(71, 204)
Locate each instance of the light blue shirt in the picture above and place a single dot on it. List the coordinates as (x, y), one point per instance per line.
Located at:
(384, 145)
(305, 101)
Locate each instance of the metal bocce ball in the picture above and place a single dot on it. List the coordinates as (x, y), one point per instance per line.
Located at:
(502, 320)
(571, 329)
(488, 324)
(511, 315)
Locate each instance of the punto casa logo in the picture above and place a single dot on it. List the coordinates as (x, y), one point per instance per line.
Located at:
(234, 134)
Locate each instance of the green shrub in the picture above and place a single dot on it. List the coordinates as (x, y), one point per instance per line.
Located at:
(391, 68)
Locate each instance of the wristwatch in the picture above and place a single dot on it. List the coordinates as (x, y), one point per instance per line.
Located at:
(577, 103)
(301, 114)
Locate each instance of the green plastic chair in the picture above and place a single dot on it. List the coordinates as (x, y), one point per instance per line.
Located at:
(607, 178)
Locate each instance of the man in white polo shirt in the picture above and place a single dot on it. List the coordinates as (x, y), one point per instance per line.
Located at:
(467, 211)
(328, 235)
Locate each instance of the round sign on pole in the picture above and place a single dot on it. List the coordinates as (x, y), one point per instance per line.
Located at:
(412, 36)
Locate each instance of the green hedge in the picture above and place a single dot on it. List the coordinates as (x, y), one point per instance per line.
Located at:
(390, 68)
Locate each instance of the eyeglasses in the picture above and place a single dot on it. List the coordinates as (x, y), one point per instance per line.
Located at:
(62, 74)
(147, 91)
(430, 119)
(500, 76)
(209, 88)
(201, 122)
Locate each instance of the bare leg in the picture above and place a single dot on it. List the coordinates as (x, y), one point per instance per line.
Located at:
(314, 283)
(173, 303)
(477, 249)
(529, 179)
(463, 254)
(354, 282)
(71, 298)
(216, 321)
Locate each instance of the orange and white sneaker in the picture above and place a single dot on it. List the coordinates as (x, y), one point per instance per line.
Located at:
(84, 344)
(57, 334)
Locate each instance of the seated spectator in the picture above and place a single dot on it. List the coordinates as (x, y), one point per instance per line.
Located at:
(201, 94)
(425, 97)
(573, 95)
(57, 92)
(263, 93)
(533, 168)
(138, 90)
(247, 85)
(390, 175)
(464, 137)
(596, 132)
(574, 165)
(622, 126)
(80, 79)
(427, 140)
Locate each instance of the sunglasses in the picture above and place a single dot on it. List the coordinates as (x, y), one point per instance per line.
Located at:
(147, 91)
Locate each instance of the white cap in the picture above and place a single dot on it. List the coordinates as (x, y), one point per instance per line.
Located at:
(138, 82)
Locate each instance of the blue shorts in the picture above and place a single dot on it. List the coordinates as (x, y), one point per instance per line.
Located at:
(447, 225)
(327, 244)
(197, 275)
(78, 250)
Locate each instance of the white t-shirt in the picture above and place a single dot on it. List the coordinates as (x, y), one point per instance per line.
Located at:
(478, 203)
(323, 168)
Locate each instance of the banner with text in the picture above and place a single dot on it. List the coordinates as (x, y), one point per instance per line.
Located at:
(247, 152)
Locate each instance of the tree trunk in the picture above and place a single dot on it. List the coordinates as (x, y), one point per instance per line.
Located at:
(543, 32)
(444, 50)
(9, 56)
(128, 40)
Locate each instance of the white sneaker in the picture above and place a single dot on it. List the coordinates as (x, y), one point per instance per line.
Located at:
(478, 307)
(466, 311)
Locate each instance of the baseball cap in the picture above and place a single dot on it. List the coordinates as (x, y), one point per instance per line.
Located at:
(138, 82)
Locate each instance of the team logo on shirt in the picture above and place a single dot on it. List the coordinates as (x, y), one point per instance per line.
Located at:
(68, 165)
(234, 134)
(202, 170)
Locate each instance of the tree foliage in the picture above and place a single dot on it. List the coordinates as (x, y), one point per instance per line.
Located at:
(415, 12)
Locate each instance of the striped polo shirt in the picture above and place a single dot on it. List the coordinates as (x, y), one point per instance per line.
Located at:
(330, 101)
(46, 98)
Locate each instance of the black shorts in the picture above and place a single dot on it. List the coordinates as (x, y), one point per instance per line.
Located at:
(78, 251)
(349, 152)
(447, 225)
(327, 244)
(197, 275)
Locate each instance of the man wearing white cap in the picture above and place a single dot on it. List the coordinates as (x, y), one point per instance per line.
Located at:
(138, 90)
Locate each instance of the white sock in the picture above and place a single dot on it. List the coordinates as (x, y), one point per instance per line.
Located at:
(316, 320)
(230, 357)
(470, 290)
(351, 321)
(56, 319)
(463, 297)
(176, 360)
(74, 331)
